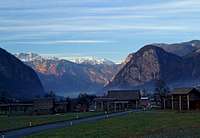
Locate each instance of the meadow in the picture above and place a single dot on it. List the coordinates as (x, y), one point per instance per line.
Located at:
(150, 124)
(15, 122)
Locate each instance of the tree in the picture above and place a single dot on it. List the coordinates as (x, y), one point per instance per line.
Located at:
(85, 99)
(51, 94)
(161, 92)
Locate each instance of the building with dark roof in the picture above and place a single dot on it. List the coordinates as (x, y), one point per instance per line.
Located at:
(118, 100)
(16, 108)
(39, 106)
(43, 105)
(124, 94)
(183, 99)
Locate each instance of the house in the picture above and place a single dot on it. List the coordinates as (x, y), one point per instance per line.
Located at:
(61, 107)
(16, 108)
(38, 106)
(183, 99)
(44, 106)
(118, 100)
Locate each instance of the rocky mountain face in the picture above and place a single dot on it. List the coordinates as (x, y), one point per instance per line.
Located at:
(175, 64)
(181, 49)
(68, 78)
(176, 67)
(17, 80)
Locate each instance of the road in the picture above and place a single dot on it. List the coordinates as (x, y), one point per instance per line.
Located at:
(28, 131)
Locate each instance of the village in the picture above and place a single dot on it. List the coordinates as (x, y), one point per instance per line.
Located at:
(114, 101)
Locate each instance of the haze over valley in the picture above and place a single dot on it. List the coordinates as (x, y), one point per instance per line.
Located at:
(140, 70)
(92, 46)
(99, 68)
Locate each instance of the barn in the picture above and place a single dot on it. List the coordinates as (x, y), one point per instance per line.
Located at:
(184, 99)
(118, 100)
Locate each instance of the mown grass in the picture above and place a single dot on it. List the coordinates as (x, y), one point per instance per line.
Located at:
(134, 125)
(14, 122)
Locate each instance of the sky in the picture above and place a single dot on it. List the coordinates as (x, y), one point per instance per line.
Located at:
(103, 28)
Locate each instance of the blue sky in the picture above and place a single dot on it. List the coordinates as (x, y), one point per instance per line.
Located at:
(103, 28)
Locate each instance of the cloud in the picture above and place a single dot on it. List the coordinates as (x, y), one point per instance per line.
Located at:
(55, 42)
(87, 8)
(65, 20)
(96, 27)
(143, 17)
(36, 18)
(18, 4)
(172, 6)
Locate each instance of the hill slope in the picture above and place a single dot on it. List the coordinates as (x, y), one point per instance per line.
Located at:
(181, 49)
(68, 78)
(17, 80)
(152, 63)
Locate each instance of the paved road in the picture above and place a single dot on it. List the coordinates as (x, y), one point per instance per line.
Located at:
(27, 131)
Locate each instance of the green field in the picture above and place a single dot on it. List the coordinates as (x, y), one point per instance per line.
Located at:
(13, 122)
(145, 124)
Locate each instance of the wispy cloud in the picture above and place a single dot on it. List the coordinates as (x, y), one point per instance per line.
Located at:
(86, 7)
(108, 24)
(57, 42)
(97, 27)
(166, 6)
(75, 18)
(103, 18)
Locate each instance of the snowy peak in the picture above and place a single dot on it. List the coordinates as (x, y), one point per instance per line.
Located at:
(89, 60)
(27, 57)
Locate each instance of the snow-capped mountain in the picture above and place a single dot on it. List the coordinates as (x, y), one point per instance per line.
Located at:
(89, 60)
(27, 57)
(68, 75)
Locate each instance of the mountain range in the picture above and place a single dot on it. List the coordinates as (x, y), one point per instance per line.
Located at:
(88, 60)
(181, 49)
(69, 78)
(17, 80)
(178, 65)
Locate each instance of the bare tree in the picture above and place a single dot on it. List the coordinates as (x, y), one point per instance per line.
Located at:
(161, 92)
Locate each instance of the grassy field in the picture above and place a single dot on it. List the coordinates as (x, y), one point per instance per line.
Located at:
(12, 122)
(146, 124)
